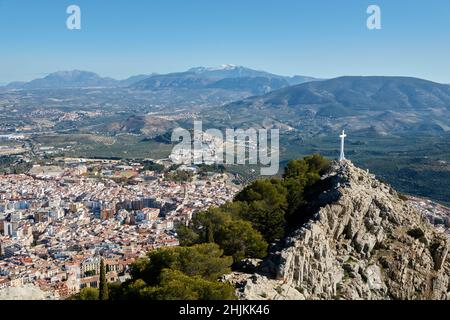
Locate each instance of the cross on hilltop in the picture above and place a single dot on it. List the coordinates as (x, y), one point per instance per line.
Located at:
(342, 136)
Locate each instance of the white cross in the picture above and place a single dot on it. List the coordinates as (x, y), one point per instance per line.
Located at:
(342, 136)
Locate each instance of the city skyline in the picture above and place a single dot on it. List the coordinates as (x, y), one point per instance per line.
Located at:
(323, 40)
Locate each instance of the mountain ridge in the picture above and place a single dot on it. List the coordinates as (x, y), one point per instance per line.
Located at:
(202, 75)
(239, 78)
(73, 79)
(352, 102)
(331, 87)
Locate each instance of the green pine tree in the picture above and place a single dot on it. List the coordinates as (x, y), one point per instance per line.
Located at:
(209, 233)
(103, 286)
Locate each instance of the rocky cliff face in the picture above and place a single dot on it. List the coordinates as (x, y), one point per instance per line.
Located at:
(364, 242)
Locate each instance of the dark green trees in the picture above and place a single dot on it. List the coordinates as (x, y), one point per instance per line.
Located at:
(180, 273)
(235, 236)
(205, 260)
(86, 294)
(299, 177)
(266, 203)
(103, 285)
(176, 285)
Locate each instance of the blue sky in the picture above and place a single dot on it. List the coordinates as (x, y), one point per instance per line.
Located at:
(322, 38)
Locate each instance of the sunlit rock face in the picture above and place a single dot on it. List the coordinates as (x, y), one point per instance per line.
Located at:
(363, 242)
(25, 292)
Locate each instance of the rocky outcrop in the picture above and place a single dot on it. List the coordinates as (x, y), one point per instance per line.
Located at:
(364, 242)
(25, 292)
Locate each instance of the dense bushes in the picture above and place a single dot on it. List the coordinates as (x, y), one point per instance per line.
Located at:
(219, 225)
(264, 204)
(175, 285)
(180, 273)
(86, 294)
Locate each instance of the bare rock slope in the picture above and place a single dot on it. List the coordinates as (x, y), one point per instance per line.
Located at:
(364, 242)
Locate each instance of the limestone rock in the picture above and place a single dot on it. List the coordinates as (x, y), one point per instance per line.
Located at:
(362, 243)
(25, 292)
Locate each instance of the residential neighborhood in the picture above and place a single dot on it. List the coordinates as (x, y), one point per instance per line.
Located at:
(58, 222)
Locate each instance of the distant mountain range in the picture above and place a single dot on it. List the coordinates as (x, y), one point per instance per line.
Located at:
(231, 71)
(360, 93)
(227, 77)
(368, 105)
(380, 104)
(374, 105)
(237, 79)
(74, 79)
